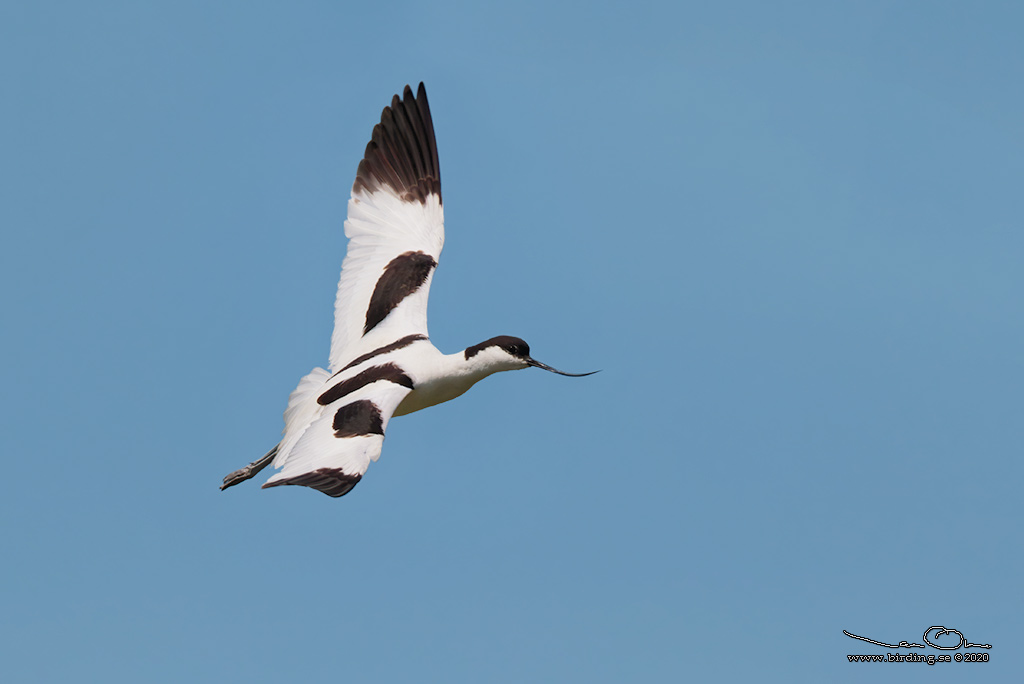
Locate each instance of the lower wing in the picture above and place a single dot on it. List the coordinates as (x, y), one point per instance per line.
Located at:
(336, 448)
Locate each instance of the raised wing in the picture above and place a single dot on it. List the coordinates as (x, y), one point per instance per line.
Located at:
(346, 432)
(395, 228)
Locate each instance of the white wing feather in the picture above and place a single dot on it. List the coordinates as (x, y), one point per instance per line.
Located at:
(380, 227)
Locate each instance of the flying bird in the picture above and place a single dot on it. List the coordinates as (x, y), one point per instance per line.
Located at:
(382, 363)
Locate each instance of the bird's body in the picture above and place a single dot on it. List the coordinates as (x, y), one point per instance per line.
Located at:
(382, 363)
(438, 378)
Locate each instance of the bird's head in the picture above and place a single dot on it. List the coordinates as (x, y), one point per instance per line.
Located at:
(505, 352)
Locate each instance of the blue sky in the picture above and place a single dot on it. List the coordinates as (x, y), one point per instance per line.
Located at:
(789, 234)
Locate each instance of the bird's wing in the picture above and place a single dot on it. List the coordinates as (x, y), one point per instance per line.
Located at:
(395, 228)
(347, 432)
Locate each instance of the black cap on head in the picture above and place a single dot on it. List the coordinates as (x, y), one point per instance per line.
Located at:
(513, 345)
(518, 348)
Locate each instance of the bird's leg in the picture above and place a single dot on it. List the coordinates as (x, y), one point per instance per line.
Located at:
(243, 474)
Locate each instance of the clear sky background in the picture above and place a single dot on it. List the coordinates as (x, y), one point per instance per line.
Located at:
(789, 233)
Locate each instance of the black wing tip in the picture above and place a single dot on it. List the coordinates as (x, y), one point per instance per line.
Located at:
(421, 93)
(402, 152)
(333, 482)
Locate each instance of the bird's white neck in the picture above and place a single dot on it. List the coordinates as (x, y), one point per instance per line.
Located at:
(450, 376)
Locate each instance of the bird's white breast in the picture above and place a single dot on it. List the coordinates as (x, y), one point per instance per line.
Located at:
(437, 378)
